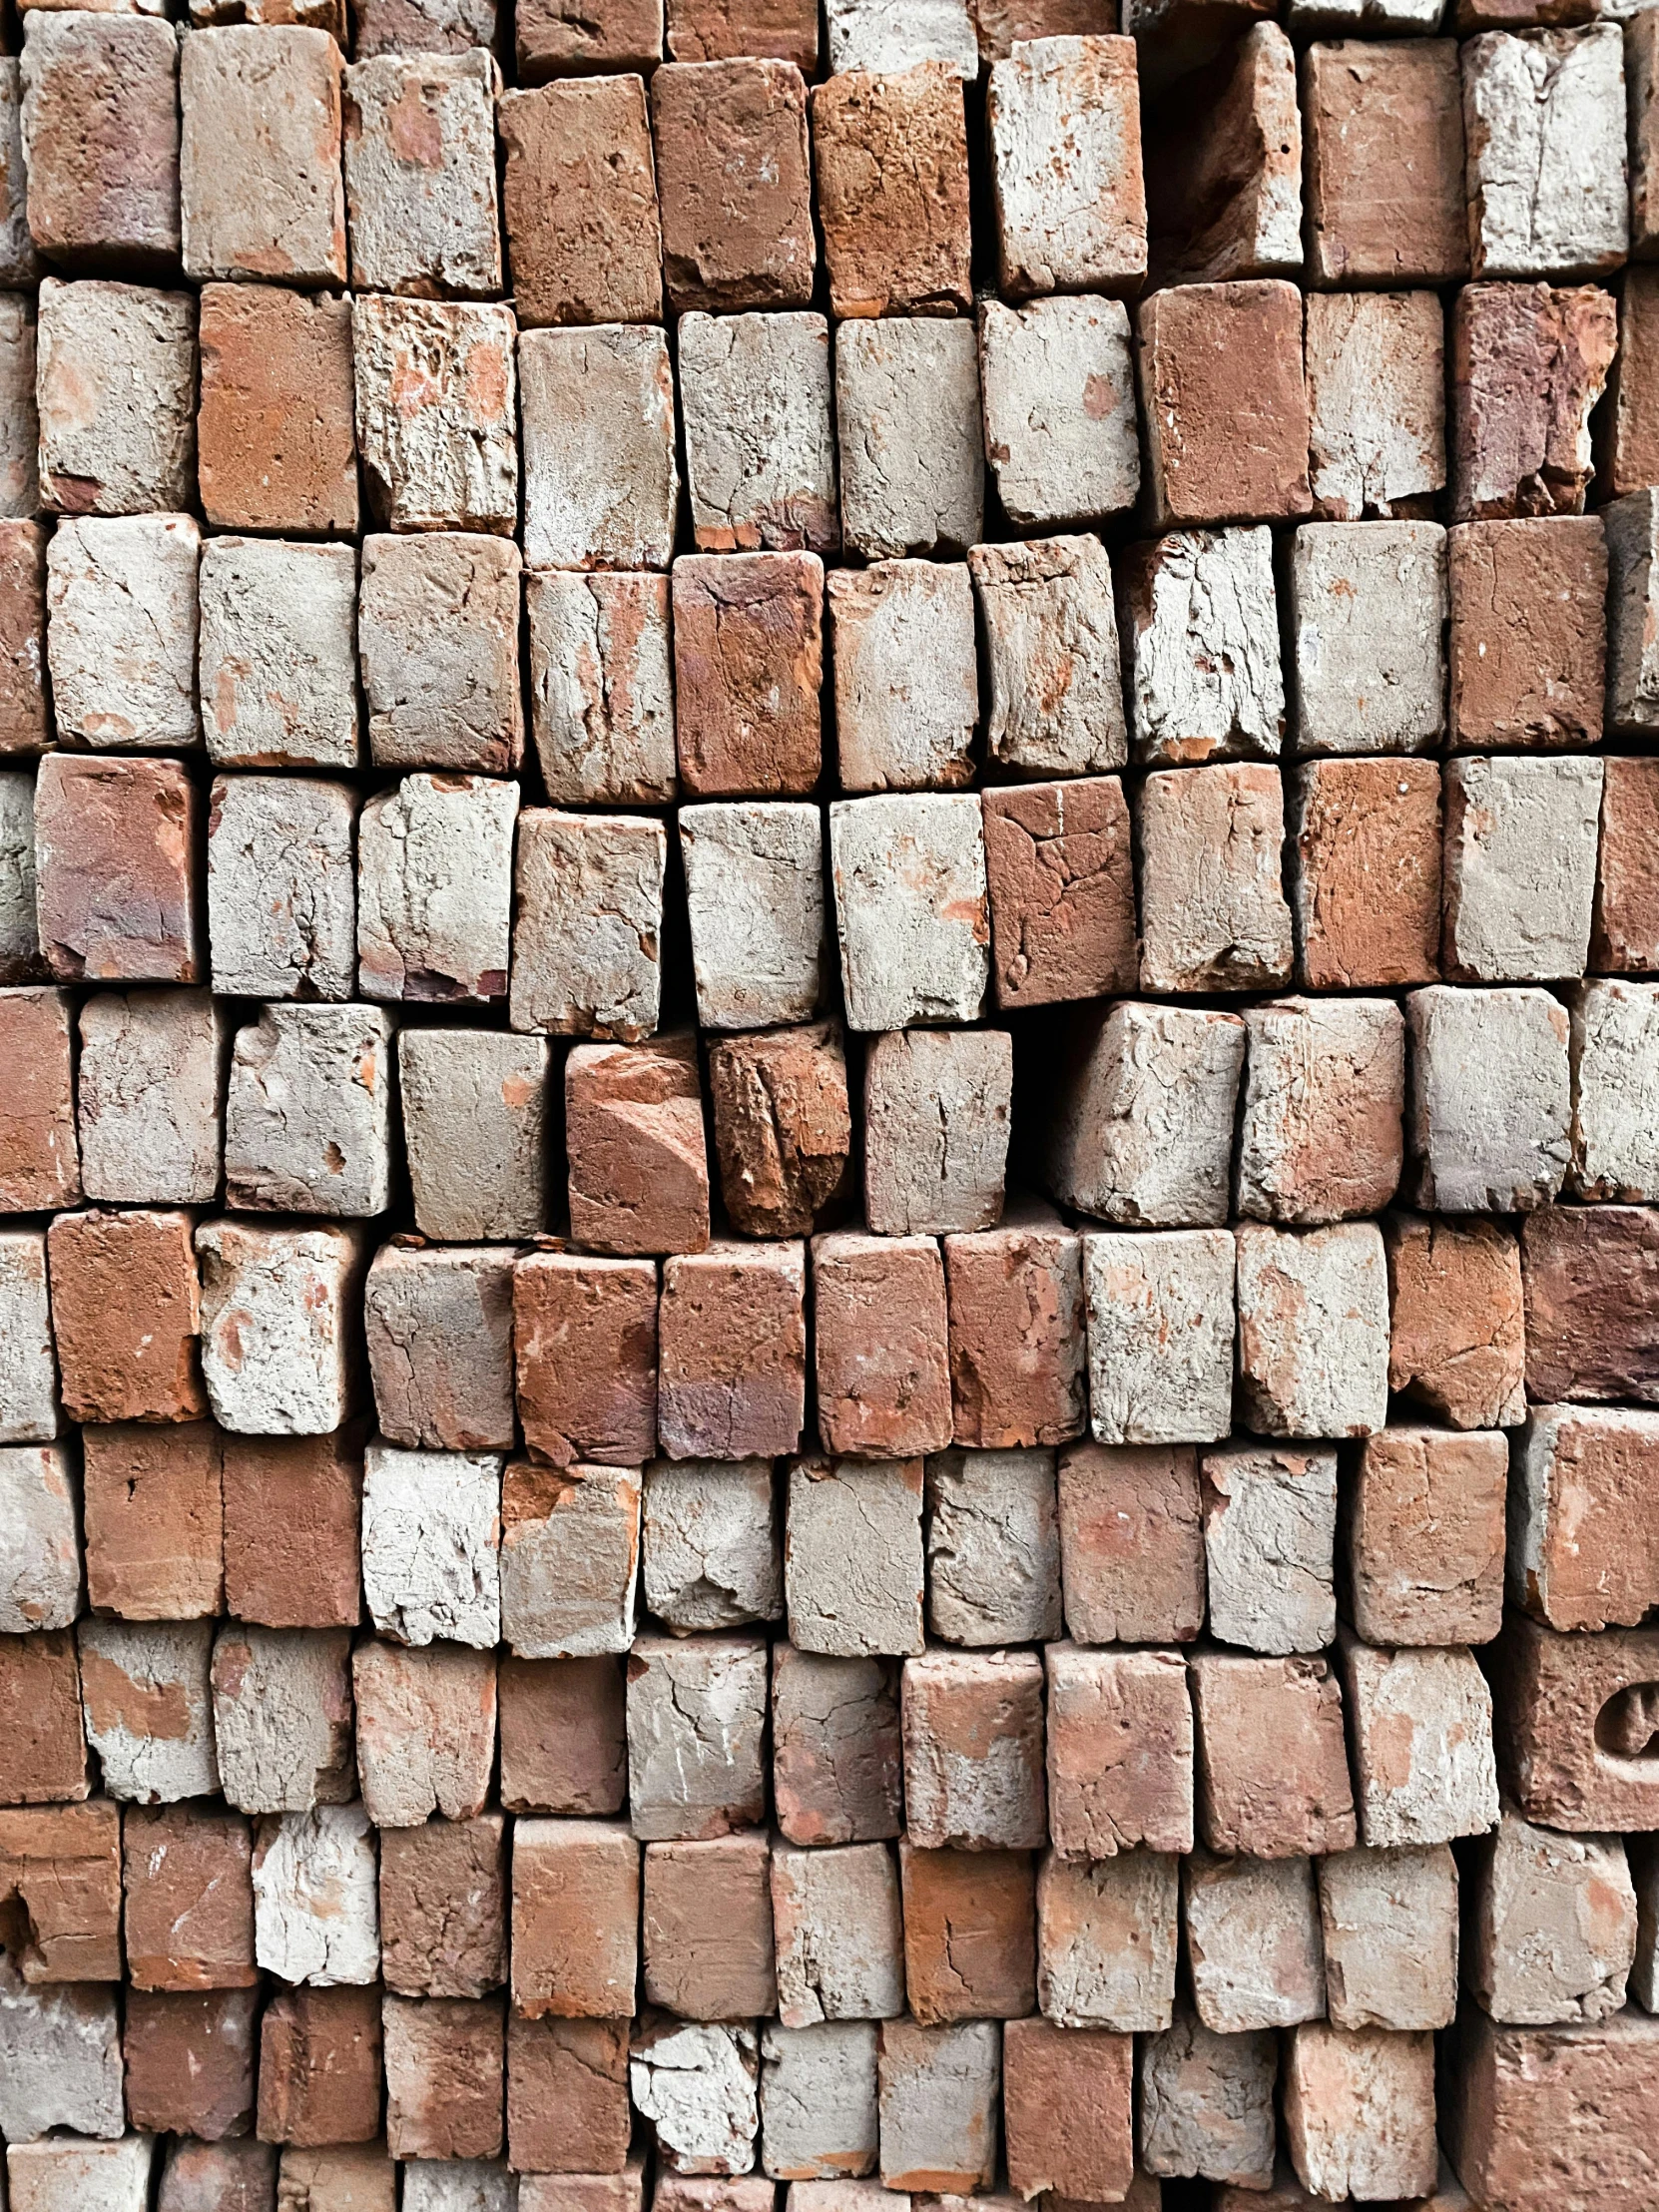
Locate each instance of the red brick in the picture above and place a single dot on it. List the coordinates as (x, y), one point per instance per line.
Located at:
(1574, 1719)
(1629, 457)
(190, 1897)
(733, 173)
(276, 445)
(838, 1759)
(1527, 366)
(575, 1926)
(155, 1543)
(880, 1346)
(563, 1736)
(1067, 2111)
(1591, 1277)
(1015, 1298)
(1062, 891)
(321, 2067)
(1273, 1775)
(970, 1934)
(579, 195)
(118, 875)
(60, 1892)
(707, 1926)
(1384, 122)
(585, 1346)
(40, 1162)
(43, 1753)
(1425, 1537)
(188, 2059)
(25, 726)
(731, 1381)
(782, 1129)
(293, 1509)
(1224, 402)
(127, 1314)
(1120, 1752)
(445, 2077)
(890, 157)
(1458, 1342)
(1131, 1545)
(101, 107)
(557, 38)
(749, 667)
(639, 1163)
(1625, 936)
(726, 30)
(567, 2097)
(1528, 636)
(1366, 872)
(1537, 2119)
(443, 1907)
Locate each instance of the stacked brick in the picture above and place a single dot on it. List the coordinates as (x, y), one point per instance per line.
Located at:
(830, 936)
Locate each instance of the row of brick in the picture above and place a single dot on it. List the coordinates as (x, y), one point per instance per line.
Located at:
(734, 676)
(1255, 404)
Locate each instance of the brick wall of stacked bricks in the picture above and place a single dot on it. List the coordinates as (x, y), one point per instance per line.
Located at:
(829, 1106)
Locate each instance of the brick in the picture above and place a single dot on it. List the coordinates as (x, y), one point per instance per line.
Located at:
(437, 628)
(563, 1746)
(116, 856)
(1000, 22)
(19, 937)
(276, 443)
(44, 1760)
(1422, 1727)
(1375, 402)
(1498, 1137)
(938, 2094)
(62, 2052)
(707, 1928)
(435, 412)
(1291, 1800)
(308, 1111)
(1584, 1340)
(442, 1903)
(907, 678)
(587, 955)
(120, 634)
(1201, 617)
(1212, 910)
(881, 1345)
(19, 263)
(40, 1560)
(1359, 2110)
(601, 482)
(145, 1694)
(973, 1752)
(1225, 193)
(818, 2107)
(1425, 1537)
(696, 1719)
(782, 1128)
(1131, 1545)
(291, 1514)
(938, 1105)
(836, 1745)
(602, 688)
(281, 893)
(427, 224)
(585, 1348)
(1389, 1920)
(1632, 531)
(736, 189)
(1066, 2110)
(100, 452)
(1553, 1931)
(1120, 1752)
(1319, 1137)
(844, 1599)
(278, 212)
(1458, 1339)
(29, 1388)
(907, 413)
(1611, 1048)
(320, 2075)
(1143, 1128)
(1253, 1942)
(424, 27)
(189, 1899)
(434, 888)
(634, 1134)
(474, 1107)
(1545, 117)
(60, 1871)
(1384, 135)
(1015, 1300)
(1528, 637)
(1051, 644)
(43, 1160)
(760, 452)
(438, 1325)
(1059, 407)
(1106, 1941)
(1581, 1555)
(278, 655)
(569, 1558)
(1207, 2103)
(1065, 147)
(560, 37)
(431, 1527)
(100, 141)
(23, 715)
(838, 1935)
(733, 1353)
(1572, 1717)
(1519, 2122)
(1214, 456)
(1160, 1311)
(126, 1313)
(283, 1724)
(1625, 928)
(154, 1521)
(754, 873)
(877, 35)
(426, 1732)
(748, 662)
(1270, 1524)
(891, 156)
(1629, 434)
(234, 2175)
(95, 2177)
(316, 1907)
(993, 1547)
(446, 2072)
(712, 1556)
(696, 2086)
(1313, 1329)
(622, 2191)
(1527, 366)
(1368, 611)
(20, 448)
(908, 873)
(567, 2095)
(723, 30)
(189, 2062)
(579, 194)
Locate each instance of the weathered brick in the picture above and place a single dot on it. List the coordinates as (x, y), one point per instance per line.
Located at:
(1059, 407)
(760, 448)
(567, 2095)
(426, 1731)
(602, 688)
(1375, 363)
(838, 1935)
(24, 723)
(710, 1551)
(1161, 1308)
(575, 1919)
(735, 181)
(150, 1499)
(436, 413)
(1067, 2099)
(308, 1111)
(321, 2075)
(1120, 1752)
(1051, 645)
(938, 2096)
(1545, 116)
(121, 594)
(1065, 143)
(1424, 1536)
(100, 141)
(1527, 366)
(707, 1928)
(445, 2077)
(1142, 1131)
(1518, 2119)
(937, 1107)
(849, 1597)
(1207, 2103)
(44, 1756)
(1368, 611)
(1017, 1355)
(1252, 1941)
(1422, 1727)
(747, 665)
(1269, 1526)
(60, 1868)
(890, 152)
(1553, 1928)
(973, 1752)
(587, 951)
(125, 1312)
(276, 439)
(1520, 857)
(188, 1921)
(1201, 620)
(696, 1721)
(1107, 1941)
(1359, 2110)
(277, 1325)
(696, 2087)
(1212, 909)
(569, 1560)
(782, 1128)
(443, 1929)
(907, 680)
(103, 450)
(877, 35)
(474, 1112)
(1320, 1136)
(560, 37)
(1489, 1103)
(1528, 633)
(190, 2060)
(438, 629)
(601, 481)
(434, 888)
(837, 1755)
(907, 413)
(429, 223)
(722, 30)
(881, 1345)
(1384, 134)
(1390, 1920)
(1131, 1544)
(754, 873)
(292, 1507)
(1224, 402)
(148, 1096)
(316, 1904)
(579, 194)
(585, 1348)
(281, 891)
(259, 152)
(818, 2104)
(1272, 1768)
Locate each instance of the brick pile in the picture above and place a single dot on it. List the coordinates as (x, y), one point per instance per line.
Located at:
(829, 1106)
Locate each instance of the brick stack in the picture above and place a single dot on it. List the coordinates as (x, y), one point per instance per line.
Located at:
(830, 1321)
